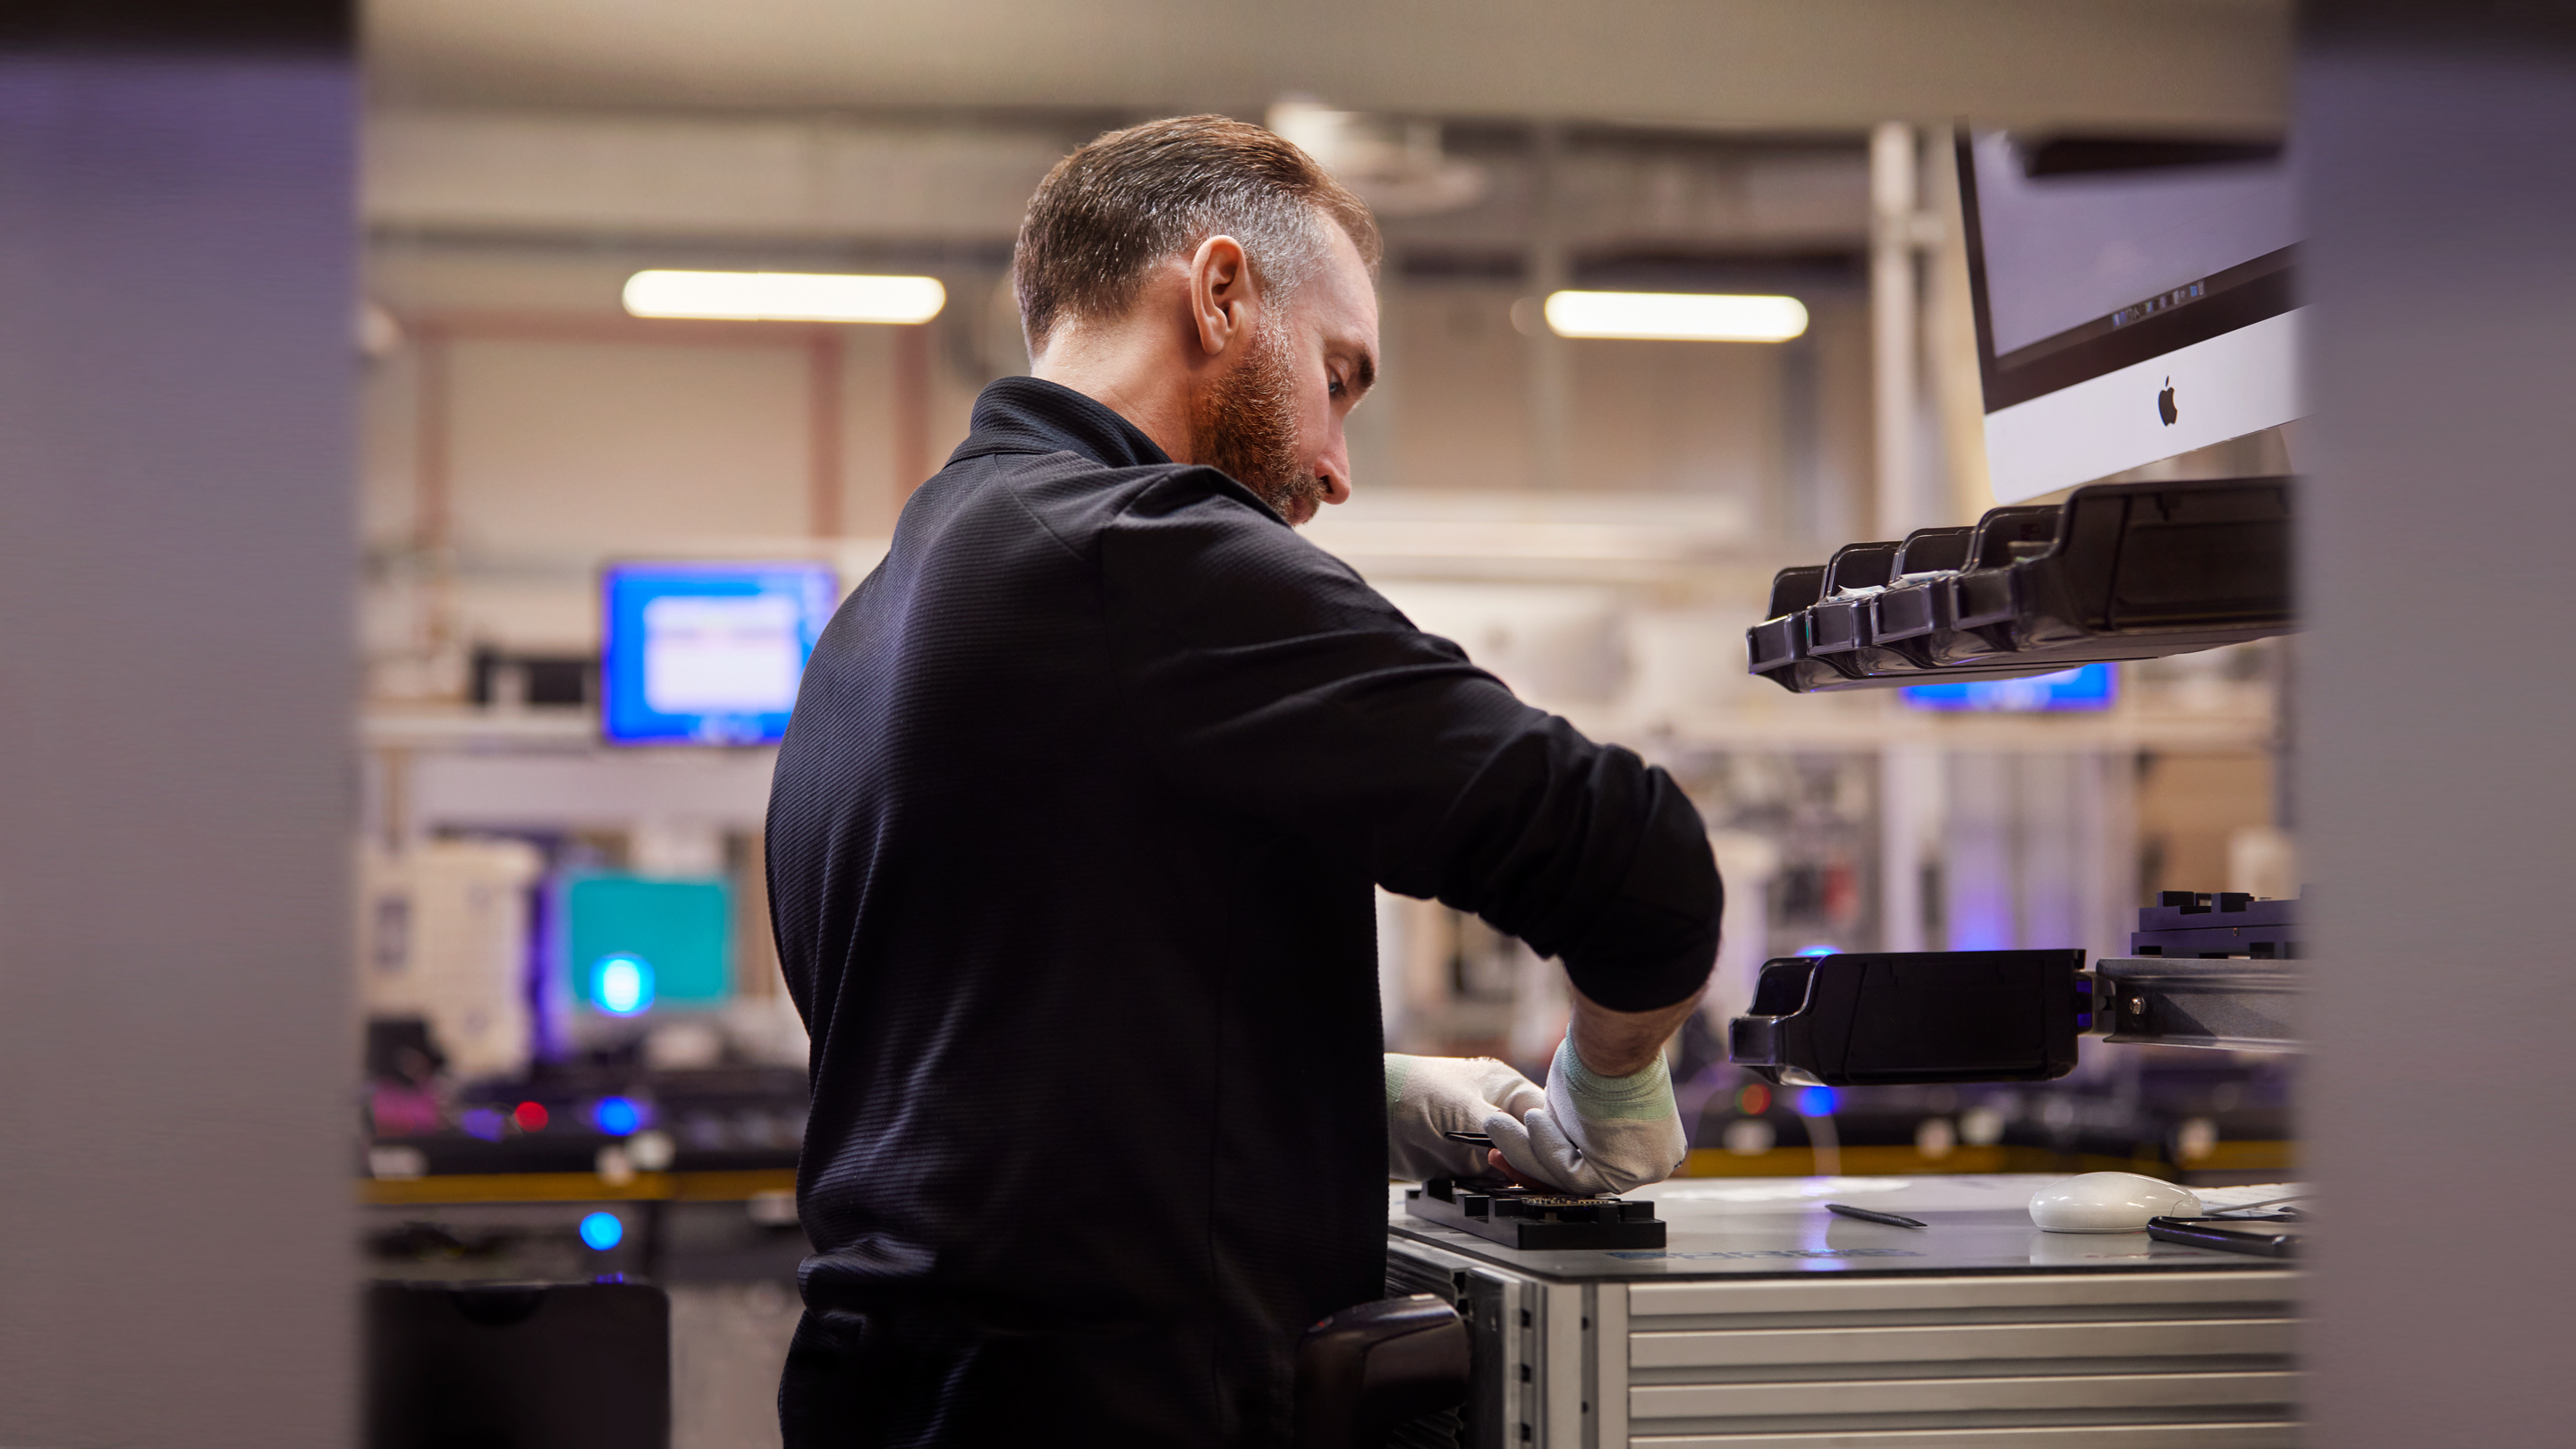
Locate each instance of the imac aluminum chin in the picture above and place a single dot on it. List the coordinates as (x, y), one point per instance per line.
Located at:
(2224, 387)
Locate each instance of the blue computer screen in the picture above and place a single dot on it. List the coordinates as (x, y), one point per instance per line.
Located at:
(707, 653)
(635, 942)
(2090, 686)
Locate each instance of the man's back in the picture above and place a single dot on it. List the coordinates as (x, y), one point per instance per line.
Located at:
(1093, 1061)
(1071, 848)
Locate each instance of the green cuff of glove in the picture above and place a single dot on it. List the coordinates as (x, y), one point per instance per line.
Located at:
(1397, 1069)
(1643, 1096)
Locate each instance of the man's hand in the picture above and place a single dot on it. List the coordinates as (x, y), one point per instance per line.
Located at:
(1427, 1096)
(1602, 1133)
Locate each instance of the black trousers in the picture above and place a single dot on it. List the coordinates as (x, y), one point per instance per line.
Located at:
(909, 1380)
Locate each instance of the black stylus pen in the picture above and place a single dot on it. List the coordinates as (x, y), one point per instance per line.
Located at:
(1865, 1215)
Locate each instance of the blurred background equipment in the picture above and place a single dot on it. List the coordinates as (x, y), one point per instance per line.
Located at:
(567, 1365)
(695, 653)
(637, 943)
(446, 941)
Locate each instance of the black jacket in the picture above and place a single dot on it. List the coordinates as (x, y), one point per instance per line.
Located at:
(1070, 854)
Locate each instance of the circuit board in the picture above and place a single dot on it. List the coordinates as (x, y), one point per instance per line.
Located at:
(2219, 923)
(1519, 1218)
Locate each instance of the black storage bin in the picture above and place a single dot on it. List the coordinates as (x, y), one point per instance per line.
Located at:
(517, 1366)
(2119, 571)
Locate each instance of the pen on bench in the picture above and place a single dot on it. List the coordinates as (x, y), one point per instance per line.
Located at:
(1865, 1215)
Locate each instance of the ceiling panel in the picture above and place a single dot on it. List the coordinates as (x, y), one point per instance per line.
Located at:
(1761, 64)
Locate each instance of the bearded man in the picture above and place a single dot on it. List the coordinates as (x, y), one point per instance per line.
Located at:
(1071, 850)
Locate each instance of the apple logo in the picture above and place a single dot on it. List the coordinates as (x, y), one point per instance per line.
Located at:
(2165, 408)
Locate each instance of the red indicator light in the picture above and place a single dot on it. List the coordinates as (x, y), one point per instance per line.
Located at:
(531, 1116)
(1754, 1100)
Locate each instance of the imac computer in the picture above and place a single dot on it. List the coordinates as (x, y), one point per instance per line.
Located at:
(2134, 300)
(707, 653)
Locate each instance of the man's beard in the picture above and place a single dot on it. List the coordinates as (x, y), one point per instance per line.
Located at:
(1244, 424)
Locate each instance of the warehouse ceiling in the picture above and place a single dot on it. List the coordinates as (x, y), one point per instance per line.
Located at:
(1763, 65)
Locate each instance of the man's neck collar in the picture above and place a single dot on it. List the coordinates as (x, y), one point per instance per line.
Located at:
(1033, 415)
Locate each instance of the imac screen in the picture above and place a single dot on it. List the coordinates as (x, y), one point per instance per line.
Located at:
(707, 653)
(2134, 300)
(2084, 253)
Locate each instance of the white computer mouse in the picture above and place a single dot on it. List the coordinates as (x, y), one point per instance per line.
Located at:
(2109, 1202)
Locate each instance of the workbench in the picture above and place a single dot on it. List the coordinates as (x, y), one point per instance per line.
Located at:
(1768, 1323)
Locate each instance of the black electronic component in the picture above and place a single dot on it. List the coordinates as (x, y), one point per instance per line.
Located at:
(497, 677)
(2119, 571)
(2215, 924)
(2275, 1236)
(1521, 1218)
(1872, 1018)
(1366, 1370)
(402, 1049)
(1893, 1220)
(566, 1365)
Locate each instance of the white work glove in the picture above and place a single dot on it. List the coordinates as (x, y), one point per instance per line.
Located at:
(1597, 1135)
(1426, 1096)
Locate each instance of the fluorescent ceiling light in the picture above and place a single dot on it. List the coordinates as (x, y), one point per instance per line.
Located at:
(1676, 316)
(784, 296)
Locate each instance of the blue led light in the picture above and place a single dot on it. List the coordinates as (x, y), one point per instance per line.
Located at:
(616, 1116)
(1816, 1102)
(2089, 686)
(602, 1231)
(621, 985)
(1821, 948)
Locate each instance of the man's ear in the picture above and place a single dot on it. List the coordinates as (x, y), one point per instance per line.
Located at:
(1223, 299)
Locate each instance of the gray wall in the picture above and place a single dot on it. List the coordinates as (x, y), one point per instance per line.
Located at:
(2438, 790)
(177, 379)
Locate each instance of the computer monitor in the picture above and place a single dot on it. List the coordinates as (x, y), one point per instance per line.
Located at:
(632, 944)
(707, 653)
(2086, 687)
(2133, 300)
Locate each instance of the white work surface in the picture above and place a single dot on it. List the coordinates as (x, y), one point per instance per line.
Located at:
(1766, 1322)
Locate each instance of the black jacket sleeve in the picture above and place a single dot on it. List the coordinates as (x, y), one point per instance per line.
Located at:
(1262, 675)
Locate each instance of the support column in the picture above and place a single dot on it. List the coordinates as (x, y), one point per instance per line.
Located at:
(823, 405)
(1892, 318)
(1551, 367)
(2435, 782)
(1909, 791)
(178, 1060)
(911, 461)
